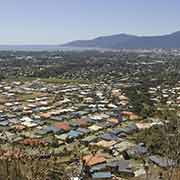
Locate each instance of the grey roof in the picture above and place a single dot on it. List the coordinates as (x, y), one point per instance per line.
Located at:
(4, 123)
(121, 166)
(109, 137)
(83, 130)
(52, 129)
(161, 161)
(117, 131)
(98, 167)
(138, 150)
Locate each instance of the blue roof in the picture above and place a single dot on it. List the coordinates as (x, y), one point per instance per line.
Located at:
(74, 134)
(101, 175)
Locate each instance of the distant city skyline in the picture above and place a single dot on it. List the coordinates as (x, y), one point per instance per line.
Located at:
(61, 21)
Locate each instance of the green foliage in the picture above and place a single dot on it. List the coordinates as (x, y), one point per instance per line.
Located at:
(153, 138)
(139, 98)
(163, 139)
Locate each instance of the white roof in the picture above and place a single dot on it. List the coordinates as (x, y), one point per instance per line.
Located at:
(26, 119)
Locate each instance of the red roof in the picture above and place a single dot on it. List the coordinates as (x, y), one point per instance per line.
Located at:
(63, 125)
(33, 142)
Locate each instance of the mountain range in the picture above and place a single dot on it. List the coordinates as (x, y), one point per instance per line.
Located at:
(129, 41)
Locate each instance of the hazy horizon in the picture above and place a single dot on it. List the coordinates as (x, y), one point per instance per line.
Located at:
(59, 44)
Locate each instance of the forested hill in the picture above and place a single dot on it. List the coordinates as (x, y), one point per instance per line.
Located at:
(129, 41)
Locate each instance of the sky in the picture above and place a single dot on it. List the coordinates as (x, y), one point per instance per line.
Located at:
(60, 21)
